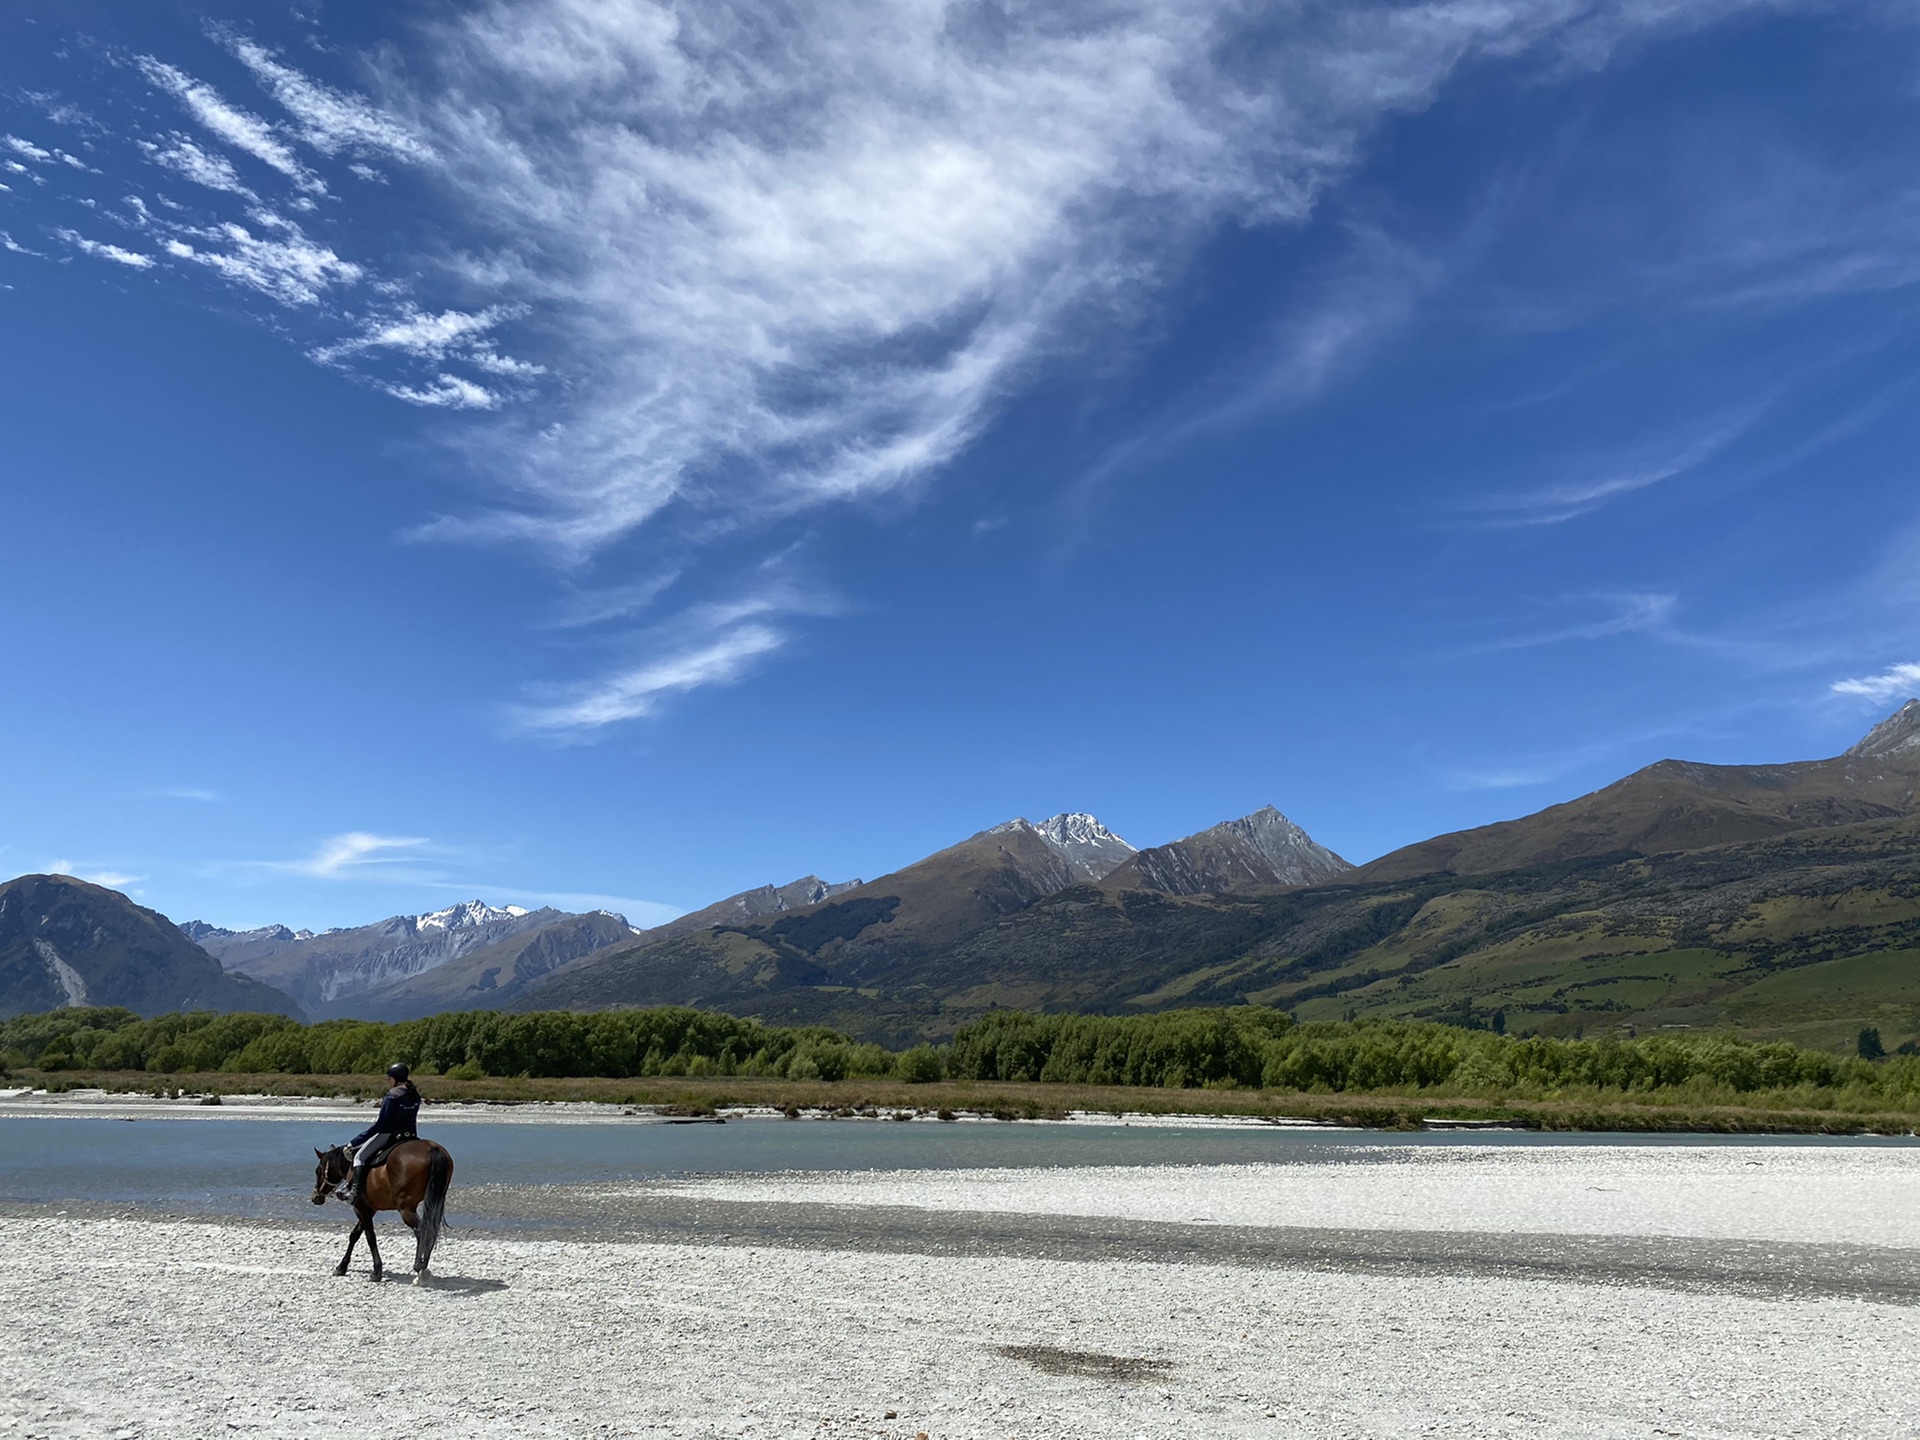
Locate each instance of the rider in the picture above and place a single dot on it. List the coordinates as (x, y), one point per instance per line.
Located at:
(399, 1108)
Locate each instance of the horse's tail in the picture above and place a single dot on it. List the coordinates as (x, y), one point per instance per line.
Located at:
(433, 1210)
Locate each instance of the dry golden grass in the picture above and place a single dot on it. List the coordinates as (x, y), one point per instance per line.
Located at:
(1827, 1113)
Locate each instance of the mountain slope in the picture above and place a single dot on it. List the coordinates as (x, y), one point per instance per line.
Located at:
(491, 976)
(64, 942)
(339, 973)
(1681, 805)
(756, 904)
(1261, 851)
(1806, 924)
(871, 937)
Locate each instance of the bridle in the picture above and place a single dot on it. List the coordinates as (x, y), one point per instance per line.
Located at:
(332, 1169)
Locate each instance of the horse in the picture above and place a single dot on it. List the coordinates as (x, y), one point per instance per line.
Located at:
(412, 1178)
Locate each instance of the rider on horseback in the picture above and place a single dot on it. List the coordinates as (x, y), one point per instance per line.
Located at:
(399, 1109)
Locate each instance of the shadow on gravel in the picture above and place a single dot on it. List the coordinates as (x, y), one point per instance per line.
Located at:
(1086, 1364)
(459, 1284)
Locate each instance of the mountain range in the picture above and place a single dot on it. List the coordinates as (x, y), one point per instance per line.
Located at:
(468, 956)
(1777, 899)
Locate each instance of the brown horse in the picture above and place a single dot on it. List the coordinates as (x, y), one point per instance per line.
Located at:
(412, 1178)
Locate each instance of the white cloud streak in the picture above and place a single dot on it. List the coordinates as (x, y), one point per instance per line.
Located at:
(293, 271)
(99, 249)
(637, 692)
(330, 120)
(418, 333)
(1631, 612)
(447, 392)
(111, 879)
(1897, 682)
(1565, 500)
(800, 262)
(344, 855)
(233, 126)
(782, 260)
(186, 159)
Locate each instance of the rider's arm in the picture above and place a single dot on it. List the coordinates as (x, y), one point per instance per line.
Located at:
(383, 1123)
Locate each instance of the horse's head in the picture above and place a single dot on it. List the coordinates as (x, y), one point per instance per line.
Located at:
(329, 1172)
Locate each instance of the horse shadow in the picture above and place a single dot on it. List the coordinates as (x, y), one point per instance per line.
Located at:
(459, 1284)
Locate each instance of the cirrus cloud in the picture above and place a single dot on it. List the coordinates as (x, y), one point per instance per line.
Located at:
(1894, 683)
(776, 262)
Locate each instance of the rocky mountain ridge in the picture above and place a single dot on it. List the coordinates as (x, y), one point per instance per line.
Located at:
(1090, 848)
(894, 937)
(345, 971)
(1260, 851)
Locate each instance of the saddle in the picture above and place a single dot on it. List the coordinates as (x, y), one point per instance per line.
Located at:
(379, 1145)
(376, 1150)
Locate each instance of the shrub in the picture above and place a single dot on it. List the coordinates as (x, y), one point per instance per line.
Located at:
(922, 1065)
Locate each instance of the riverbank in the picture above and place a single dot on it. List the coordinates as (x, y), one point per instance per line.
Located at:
(1694, 1111)
(1581, 1290)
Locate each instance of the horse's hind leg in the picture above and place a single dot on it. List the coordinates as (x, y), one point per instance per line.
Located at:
(352, 1240)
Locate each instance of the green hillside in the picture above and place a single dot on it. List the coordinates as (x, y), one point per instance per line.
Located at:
(1810, 936)
(1774, 900)
(66, 942)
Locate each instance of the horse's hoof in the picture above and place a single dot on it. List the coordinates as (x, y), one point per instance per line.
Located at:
(339, 1269)
(377, 1275)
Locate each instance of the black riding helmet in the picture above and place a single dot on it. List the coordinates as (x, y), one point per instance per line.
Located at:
(397, 1072)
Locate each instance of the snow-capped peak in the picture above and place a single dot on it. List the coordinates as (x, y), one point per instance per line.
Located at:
(1075, 827)
(1083, 842)
(467, 913)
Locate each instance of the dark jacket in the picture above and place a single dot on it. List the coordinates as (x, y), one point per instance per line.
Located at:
(399, 1109)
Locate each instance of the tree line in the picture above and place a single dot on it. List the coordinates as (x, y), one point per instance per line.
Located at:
(1245, 1046)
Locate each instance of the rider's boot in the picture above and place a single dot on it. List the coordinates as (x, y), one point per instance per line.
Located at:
(357, 1185)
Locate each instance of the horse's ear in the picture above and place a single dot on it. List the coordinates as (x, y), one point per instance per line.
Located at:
(321, 1153)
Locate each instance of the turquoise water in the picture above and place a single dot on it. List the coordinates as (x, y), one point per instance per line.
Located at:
(265, 1167)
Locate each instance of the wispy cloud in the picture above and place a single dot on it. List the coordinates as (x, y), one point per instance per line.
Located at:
(1564, 500)
(120, 256)
(447, 392)
(294, 270)
(1624, 612)
(353, 854)
(632, 693)
(617, 602)
(186, 159)
(240, 129)
(112, 879)
(778, 262)
(330, 120)
(186, 792)
(415, 332)
(1896, 682)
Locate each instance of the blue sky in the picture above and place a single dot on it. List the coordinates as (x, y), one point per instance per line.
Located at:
(620, 454)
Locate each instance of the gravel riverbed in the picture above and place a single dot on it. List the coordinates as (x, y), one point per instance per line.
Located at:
(141, 1326)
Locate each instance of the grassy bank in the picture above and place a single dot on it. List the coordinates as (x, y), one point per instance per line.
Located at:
(1241, 1060)
(1694, 1110)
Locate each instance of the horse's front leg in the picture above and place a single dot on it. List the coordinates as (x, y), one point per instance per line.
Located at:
(373, 1245)
(352, 1240)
